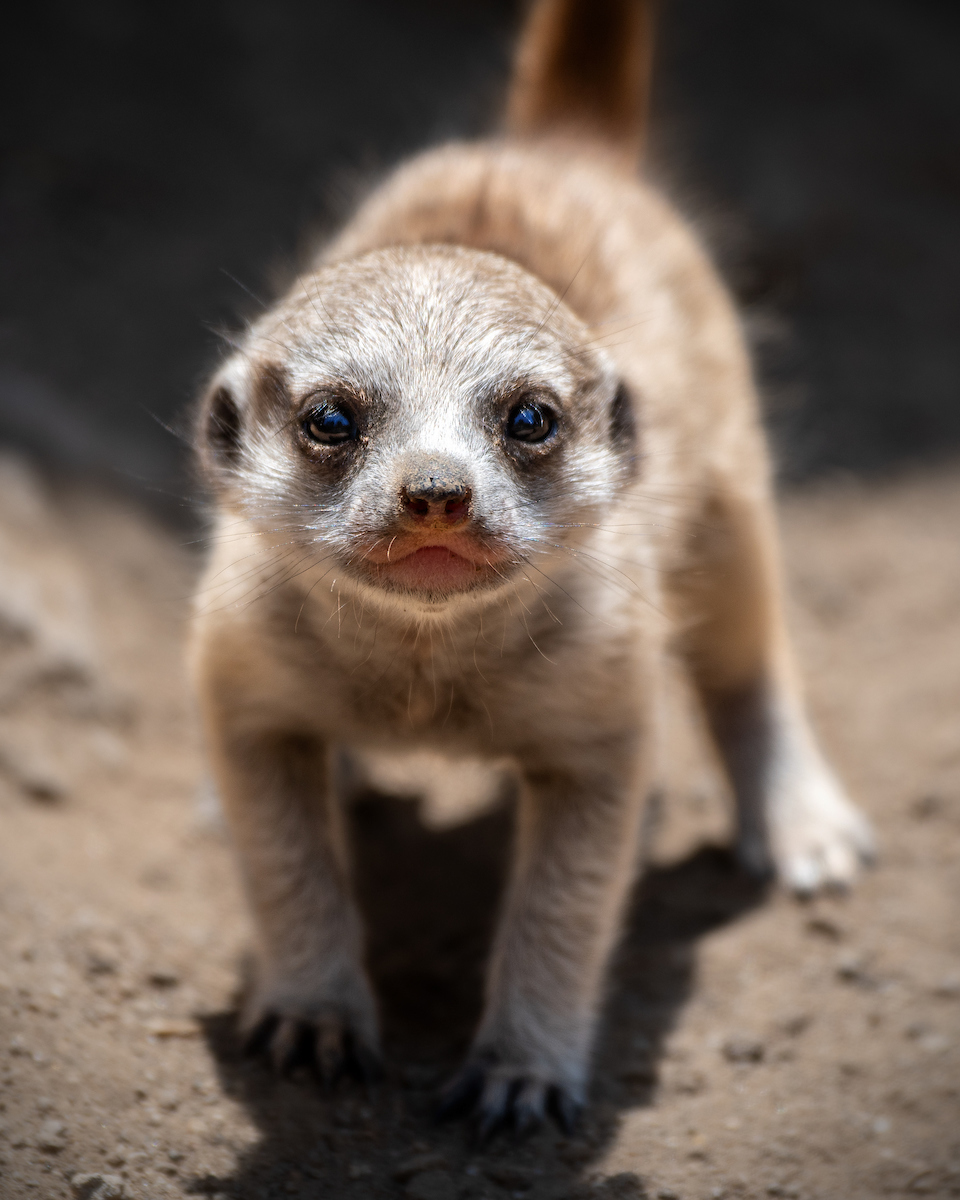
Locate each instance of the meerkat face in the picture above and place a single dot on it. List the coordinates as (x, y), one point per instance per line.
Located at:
(432, 420)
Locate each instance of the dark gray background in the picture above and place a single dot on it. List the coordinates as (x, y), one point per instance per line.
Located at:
(154, 154)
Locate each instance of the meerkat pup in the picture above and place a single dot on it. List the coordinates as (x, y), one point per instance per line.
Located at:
(474, 475)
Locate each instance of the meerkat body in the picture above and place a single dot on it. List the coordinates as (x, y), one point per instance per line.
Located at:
(475, 473)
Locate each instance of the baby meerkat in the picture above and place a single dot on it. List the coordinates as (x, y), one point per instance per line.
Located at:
(474, 474)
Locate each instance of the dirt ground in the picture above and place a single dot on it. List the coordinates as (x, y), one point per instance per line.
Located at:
(752, 1045)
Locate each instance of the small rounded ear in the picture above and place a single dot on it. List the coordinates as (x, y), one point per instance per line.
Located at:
(623, 419)
(624, 431)
(219, 430)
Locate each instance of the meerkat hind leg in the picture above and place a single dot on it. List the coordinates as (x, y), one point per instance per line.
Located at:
(794, 819)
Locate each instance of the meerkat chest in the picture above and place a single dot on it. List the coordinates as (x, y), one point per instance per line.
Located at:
(420, 700)
(484, 690)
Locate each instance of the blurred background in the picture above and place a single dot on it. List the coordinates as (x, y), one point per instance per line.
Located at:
(165, 166)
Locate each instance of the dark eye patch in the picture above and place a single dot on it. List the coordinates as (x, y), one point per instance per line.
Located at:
(531, 421)
(329, 424)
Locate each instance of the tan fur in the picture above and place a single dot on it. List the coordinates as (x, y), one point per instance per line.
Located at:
(476, 275)
(584, 70)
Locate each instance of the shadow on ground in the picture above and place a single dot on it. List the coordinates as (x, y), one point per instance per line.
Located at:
(430, 899)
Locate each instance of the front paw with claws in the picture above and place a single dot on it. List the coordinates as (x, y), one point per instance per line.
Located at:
(333, 1038)
(326, 1044)
(499, 1095)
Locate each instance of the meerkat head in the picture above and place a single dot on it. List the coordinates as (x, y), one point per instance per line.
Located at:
(429, 418)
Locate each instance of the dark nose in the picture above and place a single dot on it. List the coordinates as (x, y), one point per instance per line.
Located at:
(436, 493)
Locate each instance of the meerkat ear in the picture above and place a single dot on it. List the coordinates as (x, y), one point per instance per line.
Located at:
(623, 419)
(219, 430)
(244, 396)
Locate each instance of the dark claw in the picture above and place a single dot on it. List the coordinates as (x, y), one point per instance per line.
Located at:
(368, 1066)
(525, 1121)
(496, 1104)
(487, 1126)
(564, 1109)
(528, 1109)
(460, 1094)
(258, 1038)
(290, 1046)
(364, 1063)
(328, 1053)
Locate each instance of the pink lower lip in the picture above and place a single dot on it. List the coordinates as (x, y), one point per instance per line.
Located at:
(433, 568)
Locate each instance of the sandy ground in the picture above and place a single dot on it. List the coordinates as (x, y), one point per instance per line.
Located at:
(752, 1045)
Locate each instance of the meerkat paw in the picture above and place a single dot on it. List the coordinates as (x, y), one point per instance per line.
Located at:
(334, 1038)
(500, 1094)
(816, 838)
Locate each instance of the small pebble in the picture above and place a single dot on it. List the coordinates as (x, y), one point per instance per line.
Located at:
(18, 1046)
(41, 778)
(934, 1043)
(509, 1175)
(741, 1048)
(688, 1082)
(794, 1025)
(851, 968)
(100, 961)
(624, 1186)
(432, 1185)
(429, 1161)
(927, 806)
(163, 977)
(639, 1073)
(359, 1170)
(167, 1027)
(825, 928)
(52, 1137)
(97, 1187)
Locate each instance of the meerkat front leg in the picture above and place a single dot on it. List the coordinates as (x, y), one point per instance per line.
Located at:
(574, 862)
(311, 998)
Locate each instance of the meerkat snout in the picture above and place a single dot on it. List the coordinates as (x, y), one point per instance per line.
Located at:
(436, 495)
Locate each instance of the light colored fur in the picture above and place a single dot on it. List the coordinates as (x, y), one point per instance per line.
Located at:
(646, 522)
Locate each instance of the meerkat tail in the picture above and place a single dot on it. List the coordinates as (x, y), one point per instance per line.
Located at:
(583, 69)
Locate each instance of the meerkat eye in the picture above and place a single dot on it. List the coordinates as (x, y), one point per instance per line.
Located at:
(530, 422)
(329, 425)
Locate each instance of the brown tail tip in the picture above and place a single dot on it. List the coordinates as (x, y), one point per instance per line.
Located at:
(583, 69)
